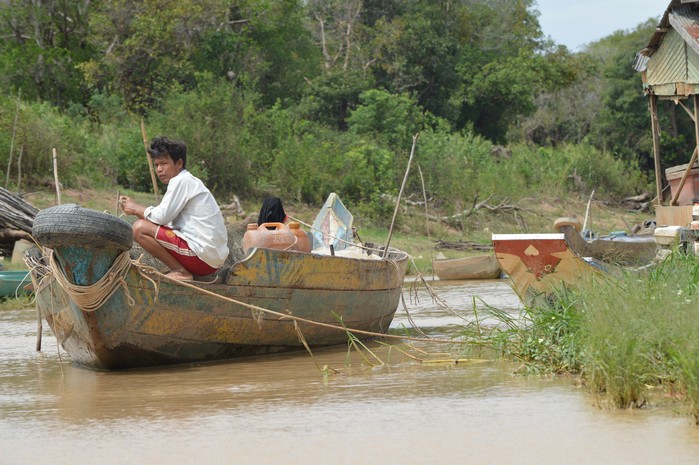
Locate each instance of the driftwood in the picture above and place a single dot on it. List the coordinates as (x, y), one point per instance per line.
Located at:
(457, 218)
(16, 220)
(408, 200)
(639, 203)
(504, 206)
(233, 209)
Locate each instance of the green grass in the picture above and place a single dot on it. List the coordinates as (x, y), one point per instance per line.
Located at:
(16, 303)
(629, 337)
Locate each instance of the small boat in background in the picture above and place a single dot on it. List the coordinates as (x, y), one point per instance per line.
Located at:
(466, 268)
(14, 282)
(538, 264)
(615, 249)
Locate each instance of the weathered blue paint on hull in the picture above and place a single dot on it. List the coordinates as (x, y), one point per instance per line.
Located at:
(184, 325)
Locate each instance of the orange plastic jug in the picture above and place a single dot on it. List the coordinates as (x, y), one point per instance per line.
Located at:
(303, 241)
(269, 236)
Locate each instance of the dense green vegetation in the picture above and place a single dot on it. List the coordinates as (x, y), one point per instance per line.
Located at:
(631, 338)
(301, 99)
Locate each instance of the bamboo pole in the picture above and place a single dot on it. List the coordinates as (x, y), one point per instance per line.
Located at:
(39, 329)
(12, 142)
(55, 177)
(655, 125)
(400, 194)
(19, 169)
(587, 210)
(427, 218)
(150, 161)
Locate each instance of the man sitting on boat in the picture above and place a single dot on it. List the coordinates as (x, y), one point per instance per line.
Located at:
(186, 231)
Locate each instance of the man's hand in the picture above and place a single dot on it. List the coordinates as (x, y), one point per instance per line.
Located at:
(130, 207)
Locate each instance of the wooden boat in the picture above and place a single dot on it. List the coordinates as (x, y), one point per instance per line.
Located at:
(617, 249)
(538, 264)
(14, 282)
(466, 268)
(109, 312)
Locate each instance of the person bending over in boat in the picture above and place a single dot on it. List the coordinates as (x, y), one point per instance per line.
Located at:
(186, 231)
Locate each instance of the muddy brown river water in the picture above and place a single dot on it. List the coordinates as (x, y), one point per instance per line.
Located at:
(283, 410)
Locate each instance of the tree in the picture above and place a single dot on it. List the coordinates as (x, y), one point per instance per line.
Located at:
(40, 47)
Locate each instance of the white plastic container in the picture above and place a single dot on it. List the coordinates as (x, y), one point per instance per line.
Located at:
(668, 235)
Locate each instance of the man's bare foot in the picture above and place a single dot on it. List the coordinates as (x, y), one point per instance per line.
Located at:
(180, 275)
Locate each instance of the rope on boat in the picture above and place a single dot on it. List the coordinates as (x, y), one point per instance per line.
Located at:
(296, 319)
(90, 298)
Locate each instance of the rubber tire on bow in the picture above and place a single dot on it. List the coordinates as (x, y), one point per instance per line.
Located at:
(72, 225)
(567, 221)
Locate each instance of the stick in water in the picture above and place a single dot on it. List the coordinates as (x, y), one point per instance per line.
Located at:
(39, 329)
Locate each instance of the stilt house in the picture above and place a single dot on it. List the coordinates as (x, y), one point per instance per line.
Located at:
(669, 67)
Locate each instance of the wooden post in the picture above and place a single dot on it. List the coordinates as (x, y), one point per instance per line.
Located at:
(587, 210)
(694, 154)
(653, 101)
(39, 329)
(150, 161)
(55, 177)
(19, 169)
(12, 142)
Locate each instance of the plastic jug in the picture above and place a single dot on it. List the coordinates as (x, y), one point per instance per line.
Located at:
(269, 236)
(303, 240)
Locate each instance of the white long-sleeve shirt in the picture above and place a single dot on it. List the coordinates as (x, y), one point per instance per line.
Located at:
(192, 212)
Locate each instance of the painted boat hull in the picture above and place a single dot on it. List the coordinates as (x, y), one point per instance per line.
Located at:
(467, 268)
(538, 264)
(184, 325)
(13, 282)
(622, 250)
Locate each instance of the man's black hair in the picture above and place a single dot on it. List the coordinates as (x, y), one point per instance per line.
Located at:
(162, 146)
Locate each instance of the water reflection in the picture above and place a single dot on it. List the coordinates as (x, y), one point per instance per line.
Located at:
(281, 409)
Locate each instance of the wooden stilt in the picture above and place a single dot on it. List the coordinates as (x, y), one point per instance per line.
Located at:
(653, 105)
(692, 160)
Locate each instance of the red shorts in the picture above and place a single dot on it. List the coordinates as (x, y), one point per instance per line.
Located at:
(179, 249)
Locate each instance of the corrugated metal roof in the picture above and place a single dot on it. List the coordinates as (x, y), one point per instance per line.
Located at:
(670, 61)
(661, 30)
(685, 20)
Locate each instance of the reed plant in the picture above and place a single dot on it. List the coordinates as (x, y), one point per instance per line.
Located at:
(637, 332)
(628, 335)
(544, 337)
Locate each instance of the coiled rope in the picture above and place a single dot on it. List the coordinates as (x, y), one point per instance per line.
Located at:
(90, 298)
